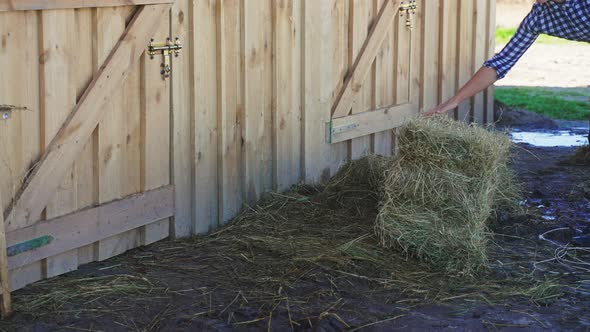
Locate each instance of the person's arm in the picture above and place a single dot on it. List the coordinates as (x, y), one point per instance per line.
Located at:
(484, 77)
(495, 68)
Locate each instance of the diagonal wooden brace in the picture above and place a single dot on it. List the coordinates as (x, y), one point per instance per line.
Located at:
(63, 150)
(362, 65)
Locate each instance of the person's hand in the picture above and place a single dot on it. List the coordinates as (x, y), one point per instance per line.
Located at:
(441, 109)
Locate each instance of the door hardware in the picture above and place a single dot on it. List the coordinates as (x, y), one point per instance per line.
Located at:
(409, 9)
(166, 48)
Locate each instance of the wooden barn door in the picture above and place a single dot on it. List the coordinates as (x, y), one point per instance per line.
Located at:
(349, 119)
(85, 132)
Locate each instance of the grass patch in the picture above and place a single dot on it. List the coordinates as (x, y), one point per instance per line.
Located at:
(563, 104)
(503, 35)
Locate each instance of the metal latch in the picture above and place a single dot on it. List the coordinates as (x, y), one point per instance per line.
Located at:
(409, 9)
(167, 48)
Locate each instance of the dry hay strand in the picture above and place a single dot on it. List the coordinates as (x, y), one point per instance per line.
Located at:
(75, 295)
(440, 192)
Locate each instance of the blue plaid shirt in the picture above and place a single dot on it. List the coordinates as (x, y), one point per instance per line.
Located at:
(569, 20)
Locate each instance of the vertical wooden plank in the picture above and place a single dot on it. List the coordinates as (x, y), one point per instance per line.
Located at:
(205, 114)
(229, 82)
(132, 138)
(464, 55)
(448, 51)
(287, 93)
(358, 28)
(155, 124)
(403, 60)
(402, 67)
(325, 60)
(480, 42)
(417, 70)
(58, 98)
(430, 56)
(490, 50)
(112, 131)
(86, 172)
(182, 123)
(384, 86)
(6, 303)
(257, 115)
(20, 134)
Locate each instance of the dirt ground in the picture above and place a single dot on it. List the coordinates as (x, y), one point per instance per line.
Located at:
(547, 65)
(243, 279)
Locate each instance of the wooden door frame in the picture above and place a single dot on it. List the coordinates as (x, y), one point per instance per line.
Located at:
(70, 140)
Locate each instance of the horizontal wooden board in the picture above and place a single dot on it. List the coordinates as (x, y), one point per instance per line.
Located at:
(90, 225)
(14, 5)
(365, 123)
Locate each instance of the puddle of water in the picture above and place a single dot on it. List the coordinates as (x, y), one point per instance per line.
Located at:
(549, 139)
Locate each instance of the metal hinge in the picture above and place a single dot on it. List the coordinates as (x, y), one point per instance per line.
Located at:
(166, 48)
(408, 9)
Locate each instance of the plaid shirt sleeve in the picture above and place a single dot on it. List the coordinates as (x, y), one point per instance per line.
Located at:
(523, 39)
(569, 20)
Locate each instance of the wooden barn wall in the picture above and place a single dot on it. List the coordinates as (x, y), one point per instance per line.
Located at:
(244, 113)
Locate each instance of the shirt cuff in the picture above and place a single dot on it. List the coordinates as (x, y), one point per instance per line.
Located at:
(500, 74)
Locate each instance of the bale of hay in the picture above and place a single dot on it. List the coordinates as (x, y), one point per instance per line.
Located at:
(441, 190)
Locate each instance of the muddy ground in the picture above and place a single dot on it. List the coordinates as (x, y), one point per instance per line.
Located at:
(243, 279)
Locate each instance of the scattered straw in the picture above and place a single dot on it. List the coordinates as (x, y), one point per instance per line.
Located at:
(94, 293)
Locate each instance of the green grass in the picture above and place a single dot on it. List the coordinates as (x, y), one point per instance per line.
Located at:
(503, 35)
(566, 104)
